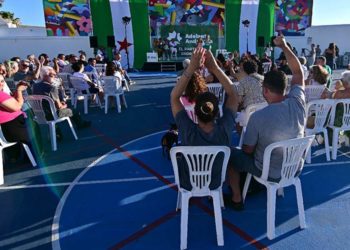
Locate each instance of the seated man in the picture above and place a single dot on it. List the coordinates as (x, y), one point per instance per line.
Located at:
(207, 131)
(46, 87)
(284, 118)
(117, 59)
(78, 69)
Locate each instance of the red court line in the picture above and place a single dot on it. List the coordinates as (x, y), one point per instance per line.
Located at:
(144, 230)
(163, 219)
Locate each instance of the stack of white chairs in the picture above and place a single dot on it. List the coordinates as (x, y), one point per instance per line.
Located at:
(4, 144)
(244, 118)
(200, 161)
(345, 103)
(112, 86)
(294, 153)
(219, 92)
(313, 92)
(320, 110)
(36, 104)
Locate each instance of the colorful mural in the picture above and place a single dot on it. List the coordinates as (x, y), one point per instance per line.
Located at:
(191, 12)
(67, 17)
(293, 16)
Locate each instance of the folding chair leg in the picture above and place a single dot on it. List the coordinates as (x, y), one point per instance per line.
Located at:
(117, 98)
(246, 186)
(271, 209)
(218, 218)
(53, 136)
(72, 128)
(300, 203)
(125, 104)
(30, 155)
(335, 143)
(184, 221)
(326, 144)
(106, 104)
(86, 99)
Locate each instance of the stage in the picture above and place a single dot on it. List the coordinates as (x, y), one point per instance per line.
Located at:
(163, 66)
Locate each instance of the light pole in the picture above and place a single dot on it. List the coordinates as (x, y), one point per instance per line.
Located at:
(246, 24)
(126, 20)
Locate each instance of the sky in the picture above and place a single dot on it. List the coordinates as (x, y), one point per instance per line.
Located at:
(325, 12)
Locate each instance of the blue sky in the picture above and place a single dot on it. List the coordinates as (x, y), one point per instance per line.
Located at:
(325, 12)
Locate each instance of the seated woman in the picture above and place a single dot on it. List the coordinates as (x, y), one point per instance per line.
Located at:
(207, 131)
(113, 70)
(339, 93)
(12, 119)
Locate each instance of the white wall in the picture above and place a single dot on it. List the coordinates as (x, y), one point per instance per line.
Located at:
(33, 40)
(323, 35)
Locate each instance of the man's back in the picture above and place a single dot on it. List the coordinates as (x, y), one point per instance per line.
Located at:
(277, 122)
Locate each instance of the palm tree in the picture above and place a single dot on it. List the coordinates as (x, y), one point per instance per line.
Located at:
(9, 16)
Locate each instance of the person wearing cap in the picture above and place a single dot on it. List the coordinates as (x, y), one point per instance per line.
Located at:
(209, 130)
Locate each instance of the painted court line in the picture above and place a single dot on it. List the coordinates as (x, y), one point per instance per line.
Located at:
(231, 226)
(55, 236)
(82, 183)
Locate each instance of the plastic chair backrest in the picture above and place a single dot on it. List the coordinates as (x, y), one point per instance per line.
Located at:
(112, 85)
(79, 84)
(100, 68)
(3, 140)
(65, 79)
(346, 113)
(266, 67)
(294, 152)
(200, 161)
(217, 90)
(321, 110)
(313, 92)
(36, 104)
(250, 109)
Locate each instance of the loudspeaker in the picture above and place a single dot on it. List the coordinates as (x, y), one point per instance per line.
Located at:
(93, 42)
(261, 41)
(110, 41)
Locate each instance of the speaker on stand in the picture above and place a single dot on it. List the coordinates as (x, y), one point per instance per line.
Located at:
(93, 42)
(110, 42)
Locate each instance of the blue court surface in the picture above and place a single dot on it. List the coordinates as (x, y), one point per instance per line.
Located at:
(127, 200)
(113, 189)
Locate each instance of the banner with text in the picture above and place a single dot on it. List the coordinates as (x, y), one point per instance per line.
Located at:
(186, 36)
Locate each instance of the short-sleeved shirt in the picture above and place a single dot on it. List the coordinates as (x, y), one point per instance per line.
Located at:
(192, 135)
(276, 122)
(5, 115)
(251, 90)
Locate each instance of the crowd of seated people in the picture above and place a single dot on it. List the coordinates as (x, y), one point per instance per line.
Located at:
(39, 75)
(283, 118)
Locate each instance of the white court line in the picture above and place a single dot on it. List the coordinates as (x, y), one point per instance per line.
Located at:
(83, 183)
(55, 234)
(327, 163)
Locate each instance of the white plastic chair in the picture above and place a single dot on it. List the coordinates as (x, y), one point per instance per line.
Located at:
(321, 110)
(112, 86)
(313, 92)
(36, 104)
(294, 153)
(80, 85)
(219, 92)
(200, 161)
(245, 115)
(67, 85)
(4, 144)
(101, 68)
(345, 123)
(266, 67)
